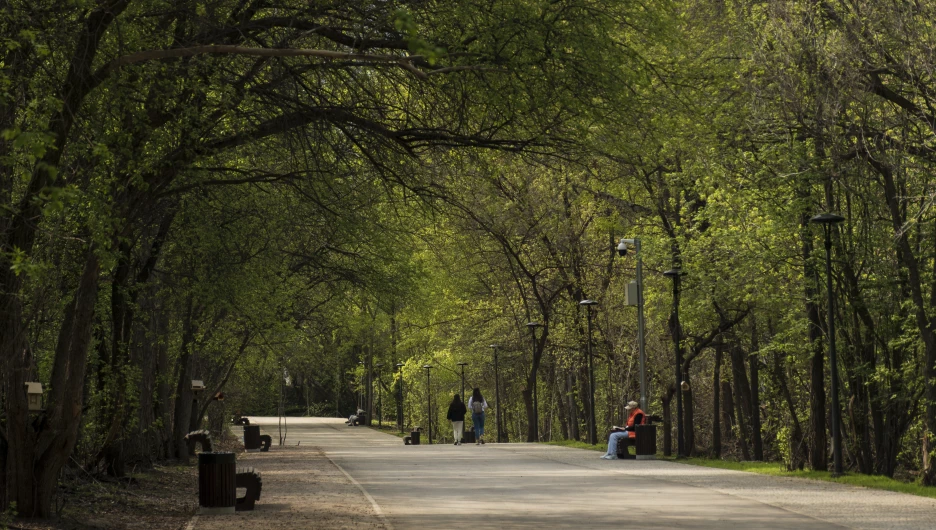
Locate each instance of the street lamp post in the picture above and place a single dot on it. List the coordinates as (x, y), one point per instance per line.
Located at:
(592, 428)
(642, 356)
(399, 367)
(676, 274)
(379, 397)
(463, 365)
(533, 326)
(497, 403)
(827, 221)
(429, 400)
(362, 398)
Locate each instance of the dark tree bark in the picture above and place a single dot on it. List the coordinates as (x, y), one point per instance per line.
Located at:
(716, 402)
(742, 398)
(757, 439)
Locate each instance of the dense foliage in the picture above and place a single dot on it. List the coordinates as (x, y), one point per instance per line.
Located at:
(302, 204)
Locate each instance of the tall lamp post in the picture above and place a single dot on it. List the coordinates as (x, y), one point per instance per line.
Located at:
(399, 367)
(429, 400)
(828, 221)
(463, 365)
(533, 326)
(379, 396)
(497, 403)
(642, 356)
(676, 274)
(592, 428)
(362, 398)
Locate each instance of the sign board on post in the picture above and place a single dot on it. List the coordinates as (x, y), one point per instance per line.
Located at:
(631, 295)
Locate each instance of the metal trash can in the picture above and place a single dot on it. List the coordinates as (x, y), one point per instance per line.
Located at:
(646, 442)
(217, 493)
(252, 438)
(414, 438)
(469, 437)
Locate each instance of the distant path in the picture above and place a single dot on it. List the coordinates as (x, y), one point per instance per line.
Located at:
(540, 486)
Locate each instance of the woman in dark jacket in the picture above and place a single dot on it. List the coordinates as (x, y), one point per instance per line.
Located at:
(456, 413)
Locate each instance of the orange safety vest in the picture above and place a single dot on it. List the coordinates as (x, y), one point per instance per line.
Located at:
(630, 421)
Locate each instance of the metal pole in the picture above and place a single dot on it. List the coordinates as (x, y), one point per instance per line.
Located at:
(642, 358)
(680, 449)
(400, 401)
(497, 408)
(592, 428)
(429, 401)
(535, 400)
(833, 364)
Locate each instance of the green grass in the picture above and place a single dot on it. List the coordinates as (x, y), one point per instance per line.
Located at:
(777, 469)
(579, 445)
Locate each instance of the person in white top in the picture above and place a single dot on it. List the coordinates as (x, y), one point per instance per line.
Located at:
(476, 406)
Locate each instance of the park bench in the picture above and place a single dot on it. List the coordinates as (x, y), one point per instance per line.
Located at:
(249, 479)
(202, 437)
(265, 441)
(644, 442)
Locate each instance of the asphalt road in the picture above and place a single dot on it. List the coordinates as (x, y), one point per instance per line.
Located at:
(534, 485)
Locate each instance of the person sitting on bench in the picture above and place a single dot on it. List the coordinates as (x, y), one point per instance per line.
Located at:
(628, 432)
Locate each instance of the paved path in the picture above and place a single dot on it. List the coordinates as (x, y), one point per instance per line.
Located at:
(533, 485)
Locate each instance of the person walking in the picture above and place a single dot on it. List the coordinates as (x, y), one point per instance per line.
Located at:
(477, 405)
(456, 414)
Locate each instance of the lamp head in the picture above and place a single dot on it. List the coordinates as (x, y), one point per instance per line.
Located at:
(495, 346)
(827, 219)
(427, 366)
(462, 364)
(533, 325)
(588, 302)
(399, 365)
(673, 273)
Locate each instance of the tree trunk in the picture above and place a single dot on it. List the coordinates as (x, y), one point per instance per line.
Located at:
(183, 395)
(741, 398)
(574, 433)
(716, 402)
(755, 395)
(797, 442)
(727, 409)
(667, 427)
(818, 449)
(35, 458)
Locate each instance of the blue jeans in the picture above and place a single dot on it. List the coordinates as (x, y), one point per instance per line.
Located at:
(613, 441)
(478, 421)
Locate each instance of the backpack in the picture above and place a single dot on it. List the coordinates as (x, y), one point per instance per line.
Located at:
(477, 407)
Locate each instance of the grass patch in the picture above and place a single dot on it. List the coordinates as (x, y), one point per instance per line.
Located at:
(778, 470)
(579, 445)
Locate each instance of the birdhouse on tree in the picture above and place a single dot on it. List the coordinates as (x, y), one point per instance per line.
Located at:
(197, 385)
(34, 396)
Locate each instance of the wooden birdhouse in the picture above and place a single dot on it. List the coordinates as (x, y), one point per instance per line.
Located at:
(197, 385)
(34, 396)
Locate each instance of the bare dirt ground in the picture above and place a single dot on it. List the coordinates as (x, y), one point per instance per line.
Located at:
(302, 488)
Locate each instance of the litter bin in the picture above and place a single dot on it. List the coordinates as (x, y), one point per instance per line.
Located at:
(252, 438)
(469, 437)
(414, 438)
(217, 493)
(646, 442)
